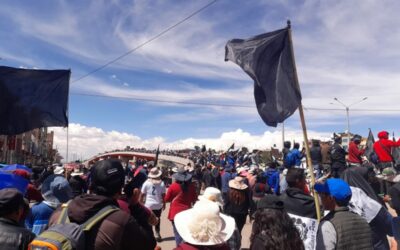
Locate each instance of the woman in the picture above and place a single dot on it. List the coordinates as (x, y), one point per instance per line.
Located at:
(273, 229)
(238, 202)
(181, 194)
(153, 192)
(204, 228)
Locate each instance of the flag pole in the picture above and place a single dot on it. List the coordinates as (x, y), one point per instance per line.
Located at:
(303, 125)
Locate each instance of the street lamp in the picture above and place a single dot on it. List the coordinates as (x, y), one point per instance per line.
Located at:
(347, 108)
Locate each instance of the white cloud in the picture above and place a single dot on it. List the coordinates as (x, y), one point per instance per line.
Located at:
(89, 141)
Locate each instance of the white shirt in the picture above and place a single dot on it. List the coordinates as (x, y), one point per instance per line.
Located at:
(153, 193)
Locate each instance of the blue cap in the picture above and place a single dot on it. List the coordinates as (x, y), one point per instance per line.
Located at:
(336, 188)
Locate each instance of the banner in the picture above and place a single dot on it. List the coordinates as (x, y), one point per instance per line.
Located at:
(363, 205)
(308, 229)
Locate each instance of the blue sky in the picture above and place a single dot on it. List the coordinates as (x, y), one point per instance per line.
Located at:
(343, 49)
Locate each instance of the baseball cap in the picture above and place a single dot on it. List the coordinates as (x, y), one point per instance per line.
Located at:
(107, 177)
(337, 188)
(10, 200)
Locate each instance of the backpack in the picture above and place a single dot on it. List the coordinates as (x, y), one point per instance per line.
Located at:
(290, 159)
(65, 235)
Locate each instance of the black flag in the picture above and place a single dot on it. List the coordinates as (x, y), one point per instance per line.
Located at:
(268, 60)
(157, 153)
(32, 99)
(369, 147)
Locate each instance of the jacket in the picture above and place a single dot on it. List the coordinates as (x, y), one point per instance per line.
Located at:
(180, 201)
(298, 203)
(355, 153)
(118, 230)
(383, 147)
(297, 155)
(338, 155)
(13, 236)
(316, 155)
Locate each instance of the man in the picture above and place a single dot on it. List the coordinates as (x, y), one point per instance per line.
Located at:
(118, 230)
(12, 234)
(316, 158)
(228, 175)
(383, 148)
(297, 154)
(272, 176)
(355, 153)
(286, 149)
(340, 229)
(296, 201)
(338, 157)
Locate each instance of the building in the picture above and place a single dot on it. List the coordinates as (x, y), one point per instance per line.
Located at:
(35, 147)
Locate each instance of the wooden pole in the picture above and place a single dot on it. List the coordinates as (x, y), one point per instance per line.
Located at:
(303, 125)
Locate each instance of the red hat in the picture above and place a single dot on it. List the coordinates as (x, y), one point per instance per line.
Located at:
(383, 135)
(22, 173)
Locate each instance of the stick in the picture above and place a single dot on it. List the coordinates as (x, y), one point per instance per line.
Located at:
(303, 125)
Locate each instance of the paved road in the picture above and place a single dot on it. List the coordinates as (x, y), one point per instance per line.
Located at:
(167, 233)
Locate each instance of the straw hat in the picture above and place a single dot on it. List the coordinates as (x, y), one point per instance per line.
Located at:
(76, 172)
(237, 183)
(155, 173)
(204, 225)
(212, 194)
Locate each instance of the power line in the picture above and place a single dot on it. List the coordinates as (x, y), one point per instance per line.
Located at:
(134, 98)
(146, 42)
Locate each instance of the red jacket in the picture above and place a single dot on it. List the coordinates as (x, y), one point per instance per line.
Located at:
(383, 147)
(180, 201)
(355, 154)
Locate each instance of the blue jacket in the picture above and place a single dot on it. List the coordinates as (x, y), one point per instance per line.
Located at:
(298, 156)
(272, 176)
(38, 218)
(225, 178)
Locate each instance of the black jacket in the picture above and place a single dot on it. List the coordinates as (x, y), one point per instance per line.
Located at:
(316, 155)
(298, 203)
(13, 236)
(338, 155)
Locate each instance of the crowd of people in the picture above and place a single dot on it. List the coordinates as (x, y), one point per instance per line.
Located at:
(118, 206)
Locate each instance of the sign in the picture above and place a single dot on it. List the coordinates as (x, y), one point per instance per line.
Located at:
(308, 229)
(363, 205)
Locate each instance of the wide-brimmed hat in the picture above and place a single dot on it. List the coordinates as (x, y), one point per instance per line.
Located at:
(155, 173)
(237, 183)
(204, 225)
(59, 170)
(212, 194)
(76, 172)
(56, 189)
(182, 175)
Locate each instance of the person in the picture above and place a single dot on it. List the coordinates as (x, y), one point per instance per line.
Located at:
(55, 191)
(383, 148)
(316, 158)
(118, 230)
(32, 193)
(209, 176)
(340, 228)
(296, 201)
(13, 236)
(365, 203)
(338, 157)
(298, 155)
(272, 174)
(78, 185)
(273, 229)
(286, 149)
(226, 177)
(214, 195)
(153, 192)
(203, 227)
(182, 195)
(355, 153)
(238, 202)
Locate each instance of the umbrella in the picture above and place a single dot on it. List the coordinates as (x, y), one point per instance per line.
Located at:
(11, 168)
(13, 181)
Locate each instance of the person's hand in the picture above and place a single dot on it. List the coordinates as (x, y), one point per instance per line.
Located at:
(387, 198)
(135, 197)
(153, 220)
(163, 206)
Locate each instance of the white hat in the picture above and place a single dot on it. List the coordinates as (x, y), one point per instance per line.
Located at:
(155, 173)
(76, 172)
(237, 183)
(204, 225)
(59, 170)
(212, 194)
